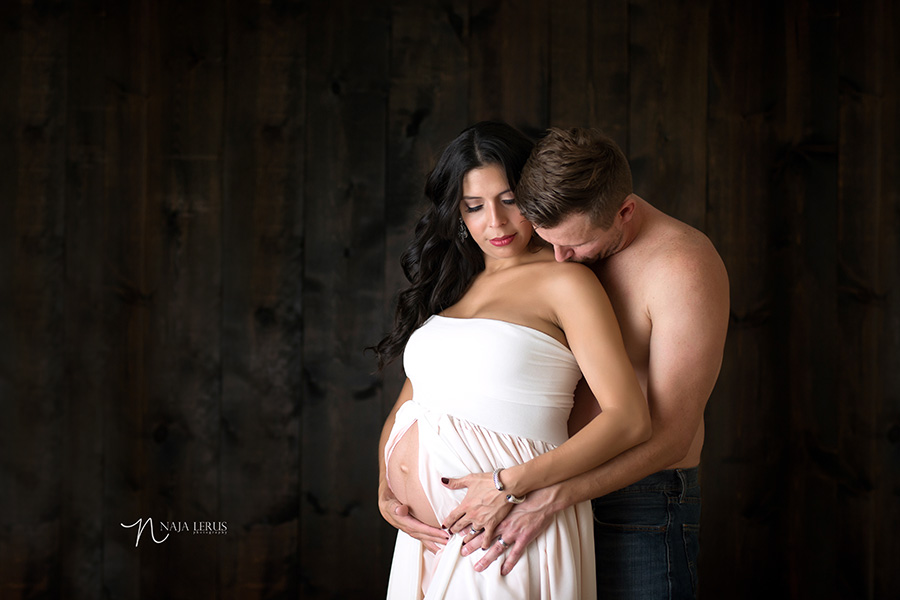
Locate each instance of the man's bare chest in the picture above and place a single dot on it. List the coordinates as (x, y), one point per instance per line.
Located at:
(629, 301)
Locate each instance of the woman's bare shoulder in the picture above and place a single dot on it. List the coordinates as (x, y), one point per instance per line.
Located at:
(570, 273)
(560, 286)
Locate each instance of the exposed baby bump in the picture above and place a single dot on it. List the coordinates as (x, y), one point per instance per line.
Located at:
(403, 459)
(403, 476)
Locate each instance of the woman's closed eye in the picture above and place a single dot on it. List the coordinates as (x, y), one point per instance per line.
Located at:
(477, 207)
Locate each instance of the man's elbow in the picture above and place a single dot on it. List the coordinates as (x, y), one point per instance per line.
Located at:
(681, 449)
(675, 448)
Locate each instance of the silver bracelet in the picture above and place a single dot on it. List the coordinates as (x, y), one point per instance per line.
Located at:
(497, 483)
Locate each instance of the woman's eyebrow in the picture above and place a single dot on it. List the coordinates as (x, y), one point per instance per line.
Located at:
(506, 191)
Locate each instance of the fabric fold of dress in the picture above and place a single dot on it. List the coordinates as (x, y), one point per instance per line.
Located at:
(488, 394)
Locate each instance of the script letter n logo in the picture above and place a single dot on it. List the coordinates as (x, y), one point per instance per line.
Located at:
(140, 524)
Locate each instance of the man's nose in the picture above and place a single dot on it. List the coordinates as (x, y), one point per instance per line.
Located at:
(562, 253)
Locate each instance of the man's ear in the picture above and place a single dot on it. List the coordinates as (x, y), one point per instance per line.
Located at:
(626, 211)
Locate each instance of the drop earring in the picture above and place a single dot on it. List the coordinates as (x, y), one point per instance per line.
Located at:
(463, 232)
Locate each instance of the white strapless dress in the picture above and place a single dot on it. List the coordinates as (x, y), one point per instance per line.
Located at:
(488, 394)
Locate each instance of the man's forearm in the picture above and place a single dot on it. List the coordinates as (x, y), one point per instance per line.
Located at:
(629, 467)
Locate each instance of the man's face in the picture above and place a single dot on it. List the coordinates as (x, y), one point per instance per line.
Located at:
(576, 239)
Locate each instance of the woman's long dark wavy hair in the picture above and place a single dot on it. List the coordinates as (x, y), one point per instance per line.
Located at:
(438, 264)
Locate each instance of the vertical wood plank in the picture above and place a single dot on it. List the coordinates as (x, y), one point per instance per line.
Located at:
(343, 295)
(508, 63)
(262, 326)
(120, 208)
(809, 133)
(426, 109)
(589, 76)
(668, 105)
(746, 424)
(97, 305)
(182, 245)
(866, 238)
(792, 128)
(33, 362)
(887, 518)
(10, 72)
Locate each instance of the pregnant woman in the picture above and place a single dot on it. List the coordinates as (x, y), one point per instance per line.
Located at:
(495, 335)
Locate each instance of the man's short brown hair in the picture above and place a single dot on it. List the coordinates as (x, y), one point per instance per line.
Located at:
(574, 171)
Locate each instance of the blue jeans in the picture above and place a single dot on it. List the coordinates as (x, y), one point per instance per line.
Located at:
(647, 538)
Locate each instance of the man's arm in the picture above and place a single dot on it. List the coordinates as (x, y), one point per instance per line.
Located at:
(393, 511)
(689, 315)
(688, 309)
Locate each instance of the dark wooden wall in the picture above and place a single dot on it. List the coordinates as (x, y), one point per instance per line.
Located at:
(201, 209)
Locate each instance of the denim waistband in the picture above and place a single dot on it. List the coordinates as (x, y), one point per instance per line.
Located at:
(676, 480)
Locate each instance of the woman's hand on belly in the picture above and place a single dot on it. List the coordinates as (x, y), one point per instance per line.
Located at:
(482, 508)
(397, 514)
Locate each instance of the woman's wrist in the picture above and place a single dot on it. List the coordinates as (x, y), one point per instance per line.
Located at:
(510, 482)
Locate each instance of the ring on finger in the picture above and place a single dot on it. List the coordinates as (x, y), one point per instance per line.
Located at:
(503, 543)
(472, 530)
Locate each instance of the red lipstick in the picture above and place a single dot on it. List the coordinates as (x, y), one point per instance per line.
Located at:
(503, 241)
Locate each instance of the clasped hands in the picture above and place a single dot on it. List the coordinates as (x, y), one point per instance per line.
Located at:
(482, 507)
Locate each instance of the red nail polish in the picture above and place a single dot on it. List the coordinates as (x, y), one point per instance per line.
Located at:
(444, 480)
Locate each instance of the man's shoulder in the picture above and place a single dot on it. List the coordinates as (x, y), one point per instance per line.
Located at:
(671, 259)
(685, 271)
(673, 244)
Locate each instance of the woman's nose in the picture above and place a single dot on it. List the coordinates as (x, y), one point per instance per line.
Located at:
(498, 215)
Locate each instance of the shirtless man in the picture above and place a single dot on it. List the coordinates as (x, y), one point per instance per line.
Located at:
(669, 289)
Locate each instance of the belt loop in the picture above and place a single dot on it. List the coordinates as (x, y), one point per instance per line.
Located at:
(683, 480)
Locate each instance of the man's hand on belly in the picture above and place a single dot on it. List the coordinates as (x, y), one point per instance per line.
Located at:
(521, 526)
